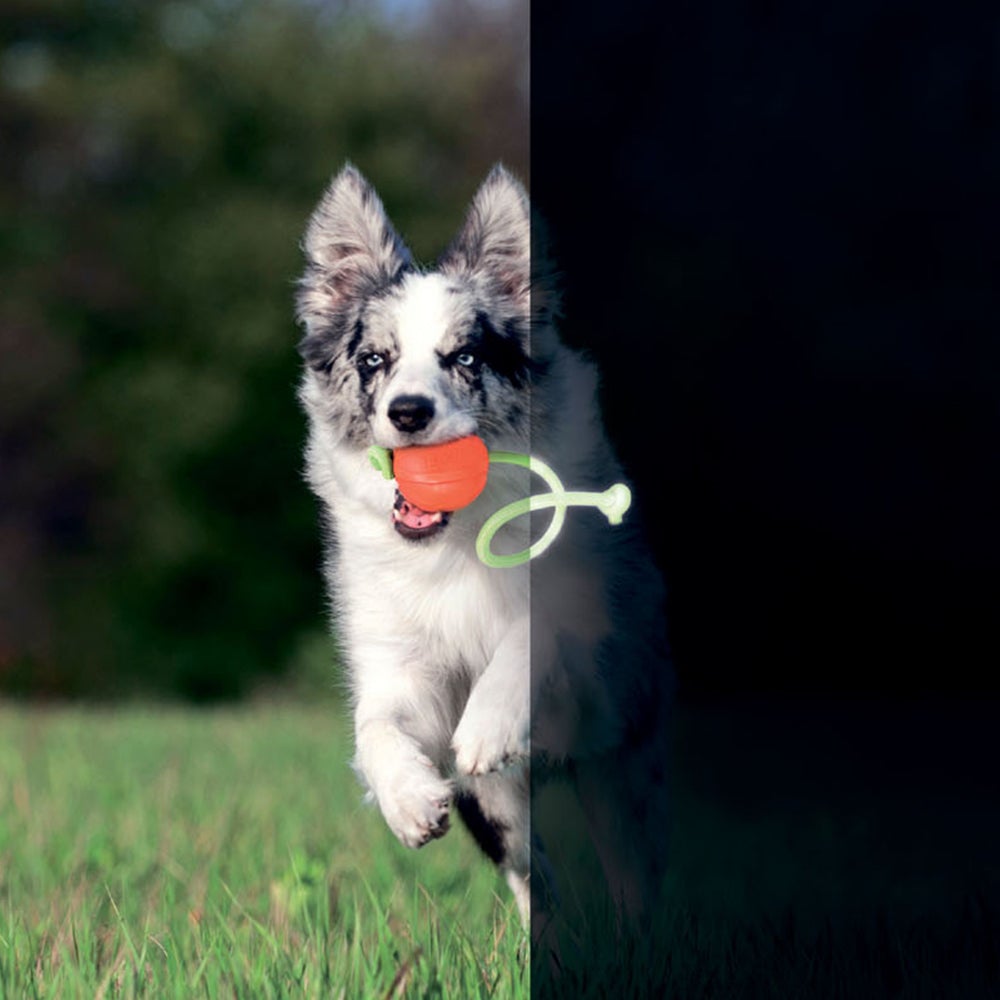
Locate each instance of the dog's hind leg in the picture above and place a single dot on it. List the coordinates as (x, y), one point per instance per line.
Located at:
(624, 797)
(495, 809)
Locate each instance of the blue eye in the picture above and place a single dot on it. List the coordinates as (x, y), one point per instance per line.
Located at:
(465, 359)
(373, 360)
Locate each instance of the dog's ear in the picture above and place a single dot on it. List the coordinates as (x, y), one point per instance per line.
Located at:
(495, 241)
(351, 249)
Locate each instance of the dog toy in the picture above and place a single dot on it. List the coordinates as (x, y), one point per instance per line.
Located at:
(450, 476)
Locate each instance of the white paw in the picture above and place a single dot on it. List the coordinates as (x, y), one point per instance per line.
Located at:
(416, 802)
(488, 741)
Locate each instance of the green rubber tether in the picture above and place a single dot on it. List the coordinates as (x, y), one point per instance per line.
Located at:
(612, 503)
(381, 459)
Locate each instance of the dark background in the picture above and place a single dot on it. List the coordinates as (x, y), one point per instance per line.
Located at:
(778, 226)
(777, 232)
(158, 163)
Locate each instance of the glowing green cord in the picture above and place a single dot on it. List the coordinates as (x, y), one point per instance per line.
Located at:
(613, 503)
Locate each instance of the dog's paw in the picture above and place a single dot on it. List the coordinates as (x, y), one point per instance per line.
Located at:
(489, 741)
(416, 805)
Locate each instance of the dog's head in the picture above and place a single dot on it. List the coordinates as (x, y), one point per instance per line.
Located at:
(396, 355)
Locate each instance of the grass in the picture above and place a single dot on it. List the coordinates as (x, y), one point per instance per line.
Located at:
(819, 850)
(227, 853)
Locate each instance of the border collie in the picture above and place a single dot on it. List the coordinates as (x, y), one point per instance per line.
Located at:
(463, 676)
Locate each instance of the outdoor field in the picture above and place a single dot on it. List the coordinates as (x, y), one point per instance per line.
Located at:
(227, 853)
(768, 225)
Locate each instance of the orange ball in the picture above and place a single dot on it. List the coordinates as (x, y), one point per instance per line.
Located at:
(442, 476)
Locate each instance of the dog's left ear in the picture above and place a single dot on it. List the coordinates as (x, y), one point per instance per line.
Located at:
(495, 241)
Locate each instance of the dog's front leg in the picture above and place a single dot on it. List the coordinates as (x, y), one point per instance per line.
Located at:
(494, 730)
(409, 789)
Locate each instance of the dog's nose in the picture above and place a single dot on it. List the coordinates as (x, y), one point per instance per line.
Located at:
(411, 413)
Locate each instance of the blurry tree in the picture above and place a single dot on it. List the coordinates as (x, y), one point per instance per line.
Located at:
(157, 164)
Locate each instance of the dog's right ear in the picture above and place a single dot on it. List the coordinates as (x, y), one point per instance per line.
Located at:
(351, 249)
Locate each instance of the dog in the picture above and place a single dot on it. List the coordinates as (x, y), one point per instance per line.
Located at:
(464, 677)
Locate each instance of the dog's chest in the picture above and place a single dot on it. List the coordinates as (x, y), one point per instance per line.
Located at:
(445, 604)
(463, 615)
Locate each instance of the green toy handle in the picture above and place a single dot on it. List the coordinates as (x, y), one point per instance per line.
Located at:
(381, 460)
(613, 503)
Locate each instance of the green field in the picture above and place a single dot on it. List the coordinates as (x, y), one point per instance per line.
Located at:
(227, 853)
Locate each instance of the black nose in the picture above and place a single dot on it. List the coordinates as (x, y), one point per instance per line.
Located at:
(411, 413)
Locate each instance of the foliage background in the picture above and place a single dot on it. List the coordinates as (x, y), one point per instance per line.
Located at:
(159, 161)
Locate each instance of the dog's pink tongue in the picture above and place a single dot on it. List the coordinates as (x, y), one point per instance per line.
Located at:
(413, 517)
